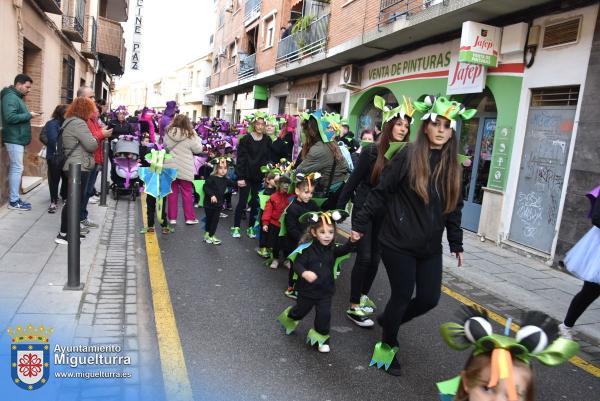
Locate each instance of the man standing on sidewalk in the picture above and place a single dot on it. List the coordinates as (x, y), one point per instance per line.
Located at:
(16, 134)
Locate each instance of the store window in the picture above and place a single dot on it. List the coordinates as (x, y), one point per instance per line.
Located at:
(371, 117)
(269, 31)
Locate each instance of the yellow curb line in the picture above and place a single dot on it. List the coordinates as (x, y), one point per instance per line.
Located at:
(174, 371)
(577, 361)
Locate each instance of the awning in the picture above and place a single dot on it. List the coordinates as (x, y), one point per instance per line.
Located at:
(308, 91)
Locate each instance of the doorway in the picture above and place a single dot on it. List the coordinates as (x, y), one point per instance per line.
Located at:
(477, 142)
(543, 166)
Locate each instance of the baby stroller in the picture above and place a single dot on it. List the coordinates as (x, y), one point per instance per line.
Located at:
(125, 175)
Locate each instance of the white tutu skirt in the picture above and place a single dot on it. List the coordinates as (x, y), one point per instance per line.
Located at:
(583, 260)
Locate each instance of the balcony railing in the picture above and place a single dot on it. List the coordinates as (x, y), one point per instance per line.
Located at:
(111, 45)
(247, 66)
(303, 44)
(392, 10)
(50, 6)
(72, 27)
(88, 48)
(252, 10)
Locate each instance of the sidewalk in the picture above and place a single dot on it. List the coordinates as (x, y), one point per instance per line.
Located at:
(112, 309)
(520, 283)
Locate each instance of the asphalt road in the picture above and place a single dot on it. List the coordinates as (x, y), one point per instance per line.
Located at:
(226, 302)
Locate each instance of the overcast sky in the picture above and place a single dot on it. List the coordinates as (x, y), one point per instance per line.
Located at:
(174, 32)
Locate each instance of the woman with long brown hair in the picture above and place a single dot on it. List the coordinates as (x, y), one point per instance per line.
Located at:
(366, 175)
(182, 142)
(321, 154)
(420, 191)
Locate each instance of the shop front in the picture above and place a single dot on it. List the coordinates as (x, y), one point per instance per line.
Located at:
(487, 138)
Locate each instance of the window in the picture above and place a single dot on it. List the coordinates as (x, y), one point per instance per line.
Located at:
(198, 78)
(232, 51)
(68, 79)
(190, 79)
(221, 18)
(269, 31)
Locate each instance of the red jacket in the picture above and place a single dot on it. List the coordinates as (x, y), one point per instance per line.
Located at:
(96, 130)
(274, 208)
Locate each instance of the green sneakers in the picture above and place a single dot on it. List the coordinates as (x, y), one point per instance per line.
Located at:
(367, 305)
(264, 253)
(359, 317)
(215, 240)
(235, 232)
(251, 233)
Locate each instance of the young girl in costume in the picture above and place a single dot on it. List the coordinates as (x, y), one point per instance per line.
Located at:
(583, 261)
(420, 190)
(371, 163)
(145, 149)
(500, 365)
(270, 187)
(316, 261)
(214, 195)
(271, 225)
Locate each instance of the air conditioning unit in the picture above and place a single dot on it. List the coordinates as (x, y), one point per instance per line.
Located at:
(306, 104)
(429, 3)
(350, 77)
(222, 52)
(229, 6)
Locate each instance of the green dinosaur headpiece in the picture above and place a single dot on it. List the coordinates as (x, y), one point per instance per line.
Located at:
(532, 341)
(434, 106)
(328, 216)
(251, 119)
(282, 167)
(329, 124)
(405, 109)
(222, 161)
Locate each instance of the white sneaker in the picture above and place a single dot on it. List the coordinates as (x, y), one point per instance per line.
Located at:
(191, 222)
(565, 331)
(274, 264)
(324, 348)
(172, 222)
(94, 200)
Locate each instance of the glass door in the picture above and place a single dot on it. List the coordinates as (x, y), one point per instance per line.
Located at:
(476, 141)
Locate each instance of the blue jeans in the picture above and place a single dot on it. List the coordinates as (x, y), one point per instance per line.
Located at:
(15, 169)
(88, 192)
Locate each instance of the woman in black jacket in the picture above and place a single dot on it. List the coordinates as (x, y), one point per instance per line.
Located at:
(253, 151)
(421, 192)
(365, 177)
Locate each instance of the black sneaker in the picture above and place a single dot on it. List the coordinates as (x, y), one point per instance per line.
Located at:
(61, 239)
(394, 368)
(359, 317)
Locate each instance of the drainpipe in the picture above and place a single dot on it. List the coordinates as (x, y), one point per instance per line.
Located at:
(323, 90)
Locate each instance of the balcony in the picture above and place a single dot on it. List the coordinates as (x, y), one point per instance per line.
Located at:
(115, 10)
(251, 11)
(111, 46)
(50, 6)
(72, 27)
(304, 43)
(393, 10)
(88, 48)
(247, 66)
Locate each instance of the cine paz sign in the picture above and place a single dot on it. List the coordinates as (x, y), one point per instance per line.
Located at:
(137, 36)
(479, 44)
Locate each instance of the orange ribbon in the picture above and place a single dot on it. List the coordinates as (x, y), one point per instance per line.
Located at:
(502, 368)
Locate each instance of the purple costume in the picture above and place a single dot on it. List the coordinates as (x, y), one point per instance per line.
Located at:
(167, 117)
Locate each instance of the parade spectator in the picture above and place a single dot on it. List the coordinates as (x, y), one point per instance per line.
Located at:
(182, 142)
(120, 126)
(348, 138)
(324, 158)
(78, 147)
(56, 176)
(16, 134)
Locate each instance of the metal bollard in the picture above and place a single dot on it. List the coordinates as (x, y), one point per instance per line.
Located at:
(104, 177)
(73, 229)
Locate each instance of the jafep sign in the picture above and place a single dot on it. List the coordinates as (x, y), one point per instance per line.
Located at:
(465, 78)
(479, 44)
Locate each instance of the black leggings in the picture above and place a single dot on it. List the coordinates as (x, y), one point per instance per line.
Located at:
(151, 210)
(405, 273)
(366, 264)
(322, 312)
(55, 177)
(251, 188)
(212, 220)
(584, 298)
(63, 213)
